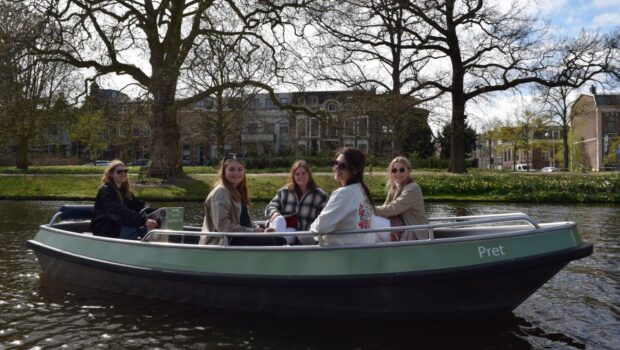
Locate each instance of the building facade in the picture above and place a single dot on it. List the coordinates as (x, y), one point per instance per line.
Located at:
(595, 123)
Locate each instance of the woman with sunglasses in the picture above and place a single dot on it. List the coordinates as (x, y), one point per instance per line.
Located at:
(297, 204)
(117, 212)
(404, 204)
(226, 207)
(349, 207)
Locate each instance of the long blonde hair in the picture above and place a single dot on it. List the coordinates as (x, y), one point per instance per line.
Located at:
(108, 173)
(239, 193)
(292, 185)
(391, 186)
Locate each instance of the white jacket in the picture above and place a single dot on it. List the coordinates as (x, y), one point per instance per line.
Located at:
(347, 209)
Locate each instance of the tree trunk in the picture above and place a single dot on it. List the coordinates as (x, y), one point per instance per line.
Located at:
(165, 137)
(565, 150)
(457, 140)
(457, 136)
(21, 160)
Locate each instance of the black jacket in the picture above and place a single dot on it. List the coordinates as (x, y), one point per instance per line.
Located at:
(111, 213)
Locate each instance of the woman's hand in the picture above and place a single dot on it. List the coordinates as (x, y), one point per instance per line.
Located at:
(274, 216)
(151, 224)
(270, 229)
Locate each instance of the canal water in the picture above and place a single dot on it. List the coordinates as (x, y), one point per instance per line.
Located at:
(578, 309)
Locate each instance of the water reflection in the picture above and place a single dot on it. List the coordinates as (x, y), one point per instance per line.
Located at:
(577, 309)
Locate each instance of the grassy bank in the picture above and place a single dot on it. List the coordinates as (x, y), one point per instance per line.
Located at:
(505, 187)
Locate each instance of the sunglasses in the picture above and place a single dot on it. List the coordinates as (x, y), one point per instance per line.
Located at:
(400, 170)
(121, 171)
(341, 165)
(233, 156)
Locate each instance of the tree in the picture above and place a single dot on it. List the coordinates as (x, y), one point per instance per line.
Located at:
(489, 48)
(519, 133)
(31, 91)
(355, 35)
(90, 130)
(557, 104)
(111, 36)
(445, 140)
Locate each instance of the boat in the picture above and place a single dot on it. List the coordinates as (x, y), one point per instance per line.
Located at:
(470, 267)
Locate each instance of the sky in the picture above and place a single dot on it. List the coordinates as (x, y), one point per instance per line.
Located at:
(567, 18)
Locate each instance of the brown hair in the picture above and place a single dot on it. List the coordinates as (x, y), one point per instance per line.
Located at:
(355, 161)
(390, 186)
(292, 185)
(108, 173)
(240, 193)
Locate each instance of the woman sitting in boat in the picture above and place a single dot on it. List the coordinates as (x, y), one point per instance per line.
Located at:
(117, 212)
(349, 207)
(297, 204)
(404, 204)
(226, 207)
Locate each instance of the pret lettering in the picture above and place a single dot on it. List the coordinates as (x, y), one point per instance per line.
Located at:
(485, 252)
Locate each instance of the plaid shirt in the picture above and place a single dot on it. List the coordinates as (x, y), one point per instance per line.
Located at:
(286, 202)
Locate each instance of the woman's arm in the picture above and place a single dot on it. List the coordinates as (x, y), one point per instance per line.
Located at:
(221, 207)
(337, 209)
(275, 206)
(409, 197)
(118, 212)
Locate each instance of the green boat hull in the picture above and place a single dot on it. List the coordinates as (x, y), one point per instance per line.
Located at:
(464, 277)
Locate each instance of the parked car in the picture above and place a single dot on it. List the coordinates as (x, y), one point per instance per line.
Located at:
(522, 167)
(550, 169)
(98, 163)
(139, 162)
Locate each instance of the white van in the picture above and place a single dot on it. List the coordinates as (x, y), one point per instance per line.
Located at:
(522, 167)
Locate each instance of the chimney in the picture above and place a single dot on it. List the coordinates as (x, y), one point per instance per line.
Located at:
(593, 89)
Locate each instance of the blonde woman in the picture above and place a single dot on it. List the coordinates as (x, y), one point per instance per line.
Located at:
(117, 211)
(226, 206)
(297, 204)
(404, 204)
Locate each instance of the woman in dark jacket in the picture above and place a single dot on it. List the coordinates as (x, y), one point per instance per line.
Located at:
(117, 211)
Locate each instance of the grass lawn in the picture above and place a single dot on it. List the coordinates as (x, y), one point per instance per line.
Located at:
(436, 186)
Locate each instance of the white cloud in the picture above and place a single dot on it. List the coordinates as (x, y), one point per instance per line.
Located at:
(552, 6)
(606, 3)
(606, 19)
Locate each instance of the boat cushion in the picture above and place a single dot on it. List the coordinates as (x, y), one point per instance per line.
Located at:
(76, 212)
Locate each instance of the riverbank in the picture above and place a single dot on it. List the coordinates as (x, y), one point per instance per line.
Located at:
(477, 186)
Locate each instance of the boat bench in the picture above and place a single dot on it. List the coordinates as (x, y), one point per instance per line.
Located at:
(80, 216)
(76, 212)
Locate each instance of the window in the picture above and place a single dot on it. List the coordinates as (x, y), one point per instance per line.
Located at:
(545, 155)
(612, 122)
(363, 127)
(284, 100)
(314, 127)
(332, 107)
(301, 126)
(314, 100)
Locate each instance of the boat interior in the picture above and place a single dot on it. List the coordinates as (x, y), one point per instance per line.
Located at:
(77, 219)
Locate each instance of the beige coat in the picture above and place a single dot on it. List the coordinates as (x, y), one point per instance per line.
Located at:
(409, 204)
(222, 214)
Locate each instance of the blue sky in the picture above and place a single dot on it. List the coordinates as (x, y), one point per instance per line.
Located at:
(570, 16)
